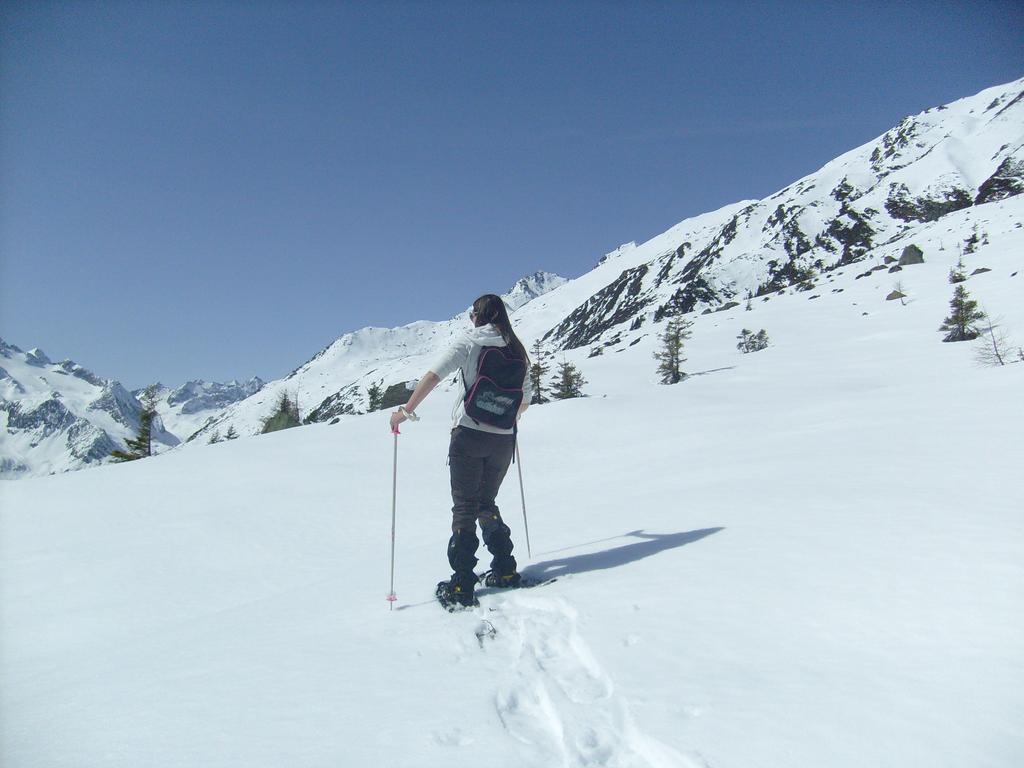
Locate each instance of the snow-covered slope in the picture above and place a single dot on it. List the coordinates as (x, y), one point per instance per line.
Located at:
(807, 556)
(904, 188)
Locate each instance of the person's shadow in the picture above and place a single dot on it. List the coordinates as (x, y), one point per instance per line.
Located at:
(651, 544)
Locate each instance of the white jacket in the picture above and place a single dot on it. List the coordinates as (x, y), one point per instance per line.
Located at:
(464, 354)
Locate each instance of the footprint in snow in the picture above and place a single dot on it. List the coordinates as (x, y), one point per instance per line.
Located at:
(557, 701)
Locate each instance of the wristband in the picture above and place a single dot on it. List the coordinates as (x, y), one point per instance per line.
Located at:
(408, 414)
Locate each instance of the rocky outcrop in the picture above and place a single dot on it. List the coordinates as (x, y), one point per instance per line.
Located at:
(902, 206)
(1007, 181)
(616, 303)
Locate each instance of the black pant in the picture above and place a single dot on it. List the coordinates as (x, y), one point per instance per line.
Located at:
(478, 462)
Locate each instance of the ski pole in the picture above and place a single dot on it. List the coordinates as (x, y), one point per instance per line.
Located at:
(522, 494)
(392, 597)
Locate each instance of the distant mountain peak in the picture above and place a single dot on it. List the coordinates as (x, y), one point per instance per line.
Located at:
(36, 356)
(530, 287)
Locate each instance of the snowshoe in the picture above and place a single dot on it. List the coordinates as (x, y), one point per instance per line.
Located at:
(454, 596)
(508, 581)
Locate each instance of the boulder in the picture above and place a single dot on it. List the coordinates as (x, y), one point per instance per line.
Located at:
(911, 255)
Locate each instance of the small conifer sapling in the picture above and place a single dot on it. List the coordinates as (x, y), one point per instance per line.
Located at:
(374, 397)
(748, 341)
(964, 315)
(568, 382)
(670, 356)
(538, 369)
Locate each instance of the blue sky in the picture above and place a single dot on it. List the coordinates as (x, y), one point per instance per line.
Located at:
(218, 190)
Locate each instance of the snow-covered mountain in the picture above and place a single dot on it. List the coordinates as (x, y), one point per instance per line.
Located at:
(56, 417)
(335, 380)
(937, 181)
(60, 416)
(871, 200)
(904, 188)
(186, 408)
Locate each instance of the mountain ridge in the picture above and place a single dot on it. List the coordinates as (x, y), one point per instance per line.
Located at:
(867, 204)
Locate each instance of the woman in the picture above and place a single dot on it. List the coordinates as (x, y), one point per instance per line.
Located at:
(481, 447)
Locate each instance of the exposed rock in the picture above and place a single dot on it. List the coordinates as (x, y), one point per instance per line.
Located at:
(6, 350)
(11, 383)
(342, 402)
(851, 229)
(895, 268)
(895, 295)
(911, 255)
(89, 443)
(37, 357)
(616, 303)
(47, 418)
(980, 271)
(925, 208)
(1007, 181)
(119, 403)
(395, 395)
(70, 366)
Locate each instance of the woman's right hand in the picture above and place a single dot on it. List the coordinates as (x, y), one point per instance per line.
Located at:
(397, 417)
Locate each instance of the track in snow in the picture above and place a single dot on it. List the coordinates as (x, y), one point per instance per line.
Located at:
(556, 700)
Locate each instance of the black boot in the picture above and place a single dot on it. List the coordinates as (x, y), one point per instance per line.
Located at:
(458, 590)
(498, 539)
(456, 593)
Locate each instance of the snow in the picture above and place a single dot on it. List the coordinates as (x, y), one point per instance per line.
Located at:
(805, 556)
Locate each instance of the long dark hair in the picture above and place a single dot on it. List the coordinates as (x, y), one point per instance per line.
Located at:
(491, 309)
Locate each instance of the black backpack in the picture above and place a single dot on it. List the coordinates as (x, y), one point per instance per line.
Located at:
(496, 393)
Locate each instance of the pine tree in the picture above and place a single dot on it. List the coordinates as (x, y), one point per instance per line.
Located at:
(963, 316)
(537, 372)
(374, 397)
(141, 446)
(752, 342)
(670, 356)
(568, 382)
(231, 434)
(214, 438)
(971, 243)
(957, 274)
(285, 415)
